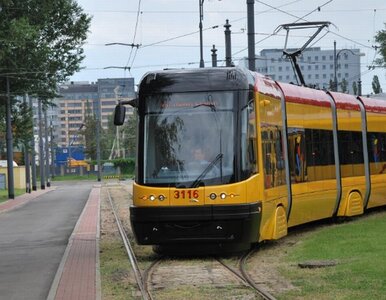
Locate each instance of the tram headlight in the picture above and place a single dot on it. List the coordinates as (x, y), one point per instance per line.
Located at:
(223, 196)
(212, 196)
(161, 197)
(152, 198)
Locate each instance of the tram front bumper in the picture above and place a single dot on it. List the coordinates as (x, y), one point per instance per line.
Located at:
(193, 225)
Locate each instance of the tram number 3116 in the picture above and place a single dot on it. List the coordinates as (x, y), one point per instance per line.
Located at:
(186, 194)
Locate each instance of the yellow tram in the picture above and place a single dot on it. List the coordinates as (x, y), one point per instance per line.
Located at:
(227, 157)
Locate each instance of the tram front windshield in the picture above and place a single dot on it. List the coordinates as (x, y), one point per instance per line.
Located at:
(189, 139)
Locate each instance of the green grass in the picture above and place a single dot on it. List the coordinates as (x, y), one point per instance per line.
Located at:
(358, 247)
(4, 194)
(115, 272)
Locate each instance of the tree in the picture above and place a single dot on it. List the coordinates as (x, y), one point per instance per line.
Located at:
(331, 85)
(376, 85)
(130, 134)
(106, 138)
(355, 88)
(343, 86)
(380, 38)
(41, 45)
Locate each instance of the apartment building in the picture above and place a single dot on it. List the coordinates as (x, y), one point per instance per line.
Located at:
(81, 99)
(317, 66)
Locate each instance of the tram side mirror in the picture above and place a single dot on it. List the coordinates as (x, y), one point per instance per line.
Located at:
(119, 114)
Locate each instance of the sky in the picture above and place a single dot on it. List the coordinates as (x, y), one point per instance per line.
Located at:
(168, 33)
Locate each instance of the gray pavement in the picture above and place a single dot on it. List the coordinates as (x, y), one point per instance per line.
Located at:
(34, 237)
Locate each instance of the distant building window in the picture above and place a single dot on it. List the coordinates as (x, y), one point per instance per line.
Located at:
(309, 76)
(324, 76)
(309, 68)
(323, 57)
(346, 66)
(331, 66)
(109, 102)
(316, 67)
(316, 58)
(346, 75)
(331, 57)
(280, 69)
(324, 67)
(74, 111)
(316, 76)
(309, 58)
(108, 109)
(287, 68)
(280, 77)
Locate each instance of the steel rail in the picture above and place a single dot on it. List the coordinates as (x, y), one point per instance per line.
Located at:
(130, 253)
(242, 263)
(244, 277)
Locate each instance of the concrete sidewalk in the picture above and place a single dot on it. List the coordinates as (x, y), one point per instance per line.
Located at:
(23, 199)
(78, 273)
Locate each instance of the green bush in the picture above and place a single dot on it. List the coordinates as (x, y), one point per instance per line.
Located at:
(127, 165)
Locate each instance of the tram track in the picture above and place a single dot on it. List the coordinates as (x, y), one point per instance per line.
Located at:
(139, 278)
(243, 275)
(144, 279)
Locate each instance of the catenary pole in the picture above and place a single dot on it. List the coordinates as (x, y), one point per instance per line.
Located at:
(9, 138)
(228, 45)
(33, 152)
(41, 148)
(251, 34)
(46, 148)
(27, 158)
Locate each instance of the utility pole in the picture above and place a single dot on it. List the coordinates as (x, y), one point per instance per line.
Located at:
(228, 47)
(33, 153)
(251, 34)
(359, 87)
(214, 56)
(11, 187)
(41, 150)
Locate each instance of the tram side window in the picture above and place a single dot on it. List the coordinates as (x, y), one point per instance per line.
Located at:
(248, 140)
(297, 154)
(376, 143)
(320, 154)
(351, 153)
(274, 172)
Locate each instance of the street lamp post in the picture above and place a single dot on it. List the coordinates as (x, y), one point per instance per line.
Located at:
(336, 57)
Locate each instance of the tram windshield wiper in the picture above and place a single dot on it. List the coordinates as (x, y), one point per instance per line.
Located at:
(207, 169)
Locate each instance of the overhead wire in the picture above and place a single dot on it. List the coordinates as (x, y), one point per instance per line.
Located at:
(135, 35)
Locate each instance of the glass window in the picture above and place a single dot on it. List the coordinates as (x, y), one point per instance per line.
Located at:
(351, 153)
(248, 140)
(189, 139)
(297, 155)
(272, 145)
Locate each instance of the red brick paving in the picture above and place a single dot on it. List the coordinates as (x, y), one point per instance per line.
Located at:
(78, 277)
